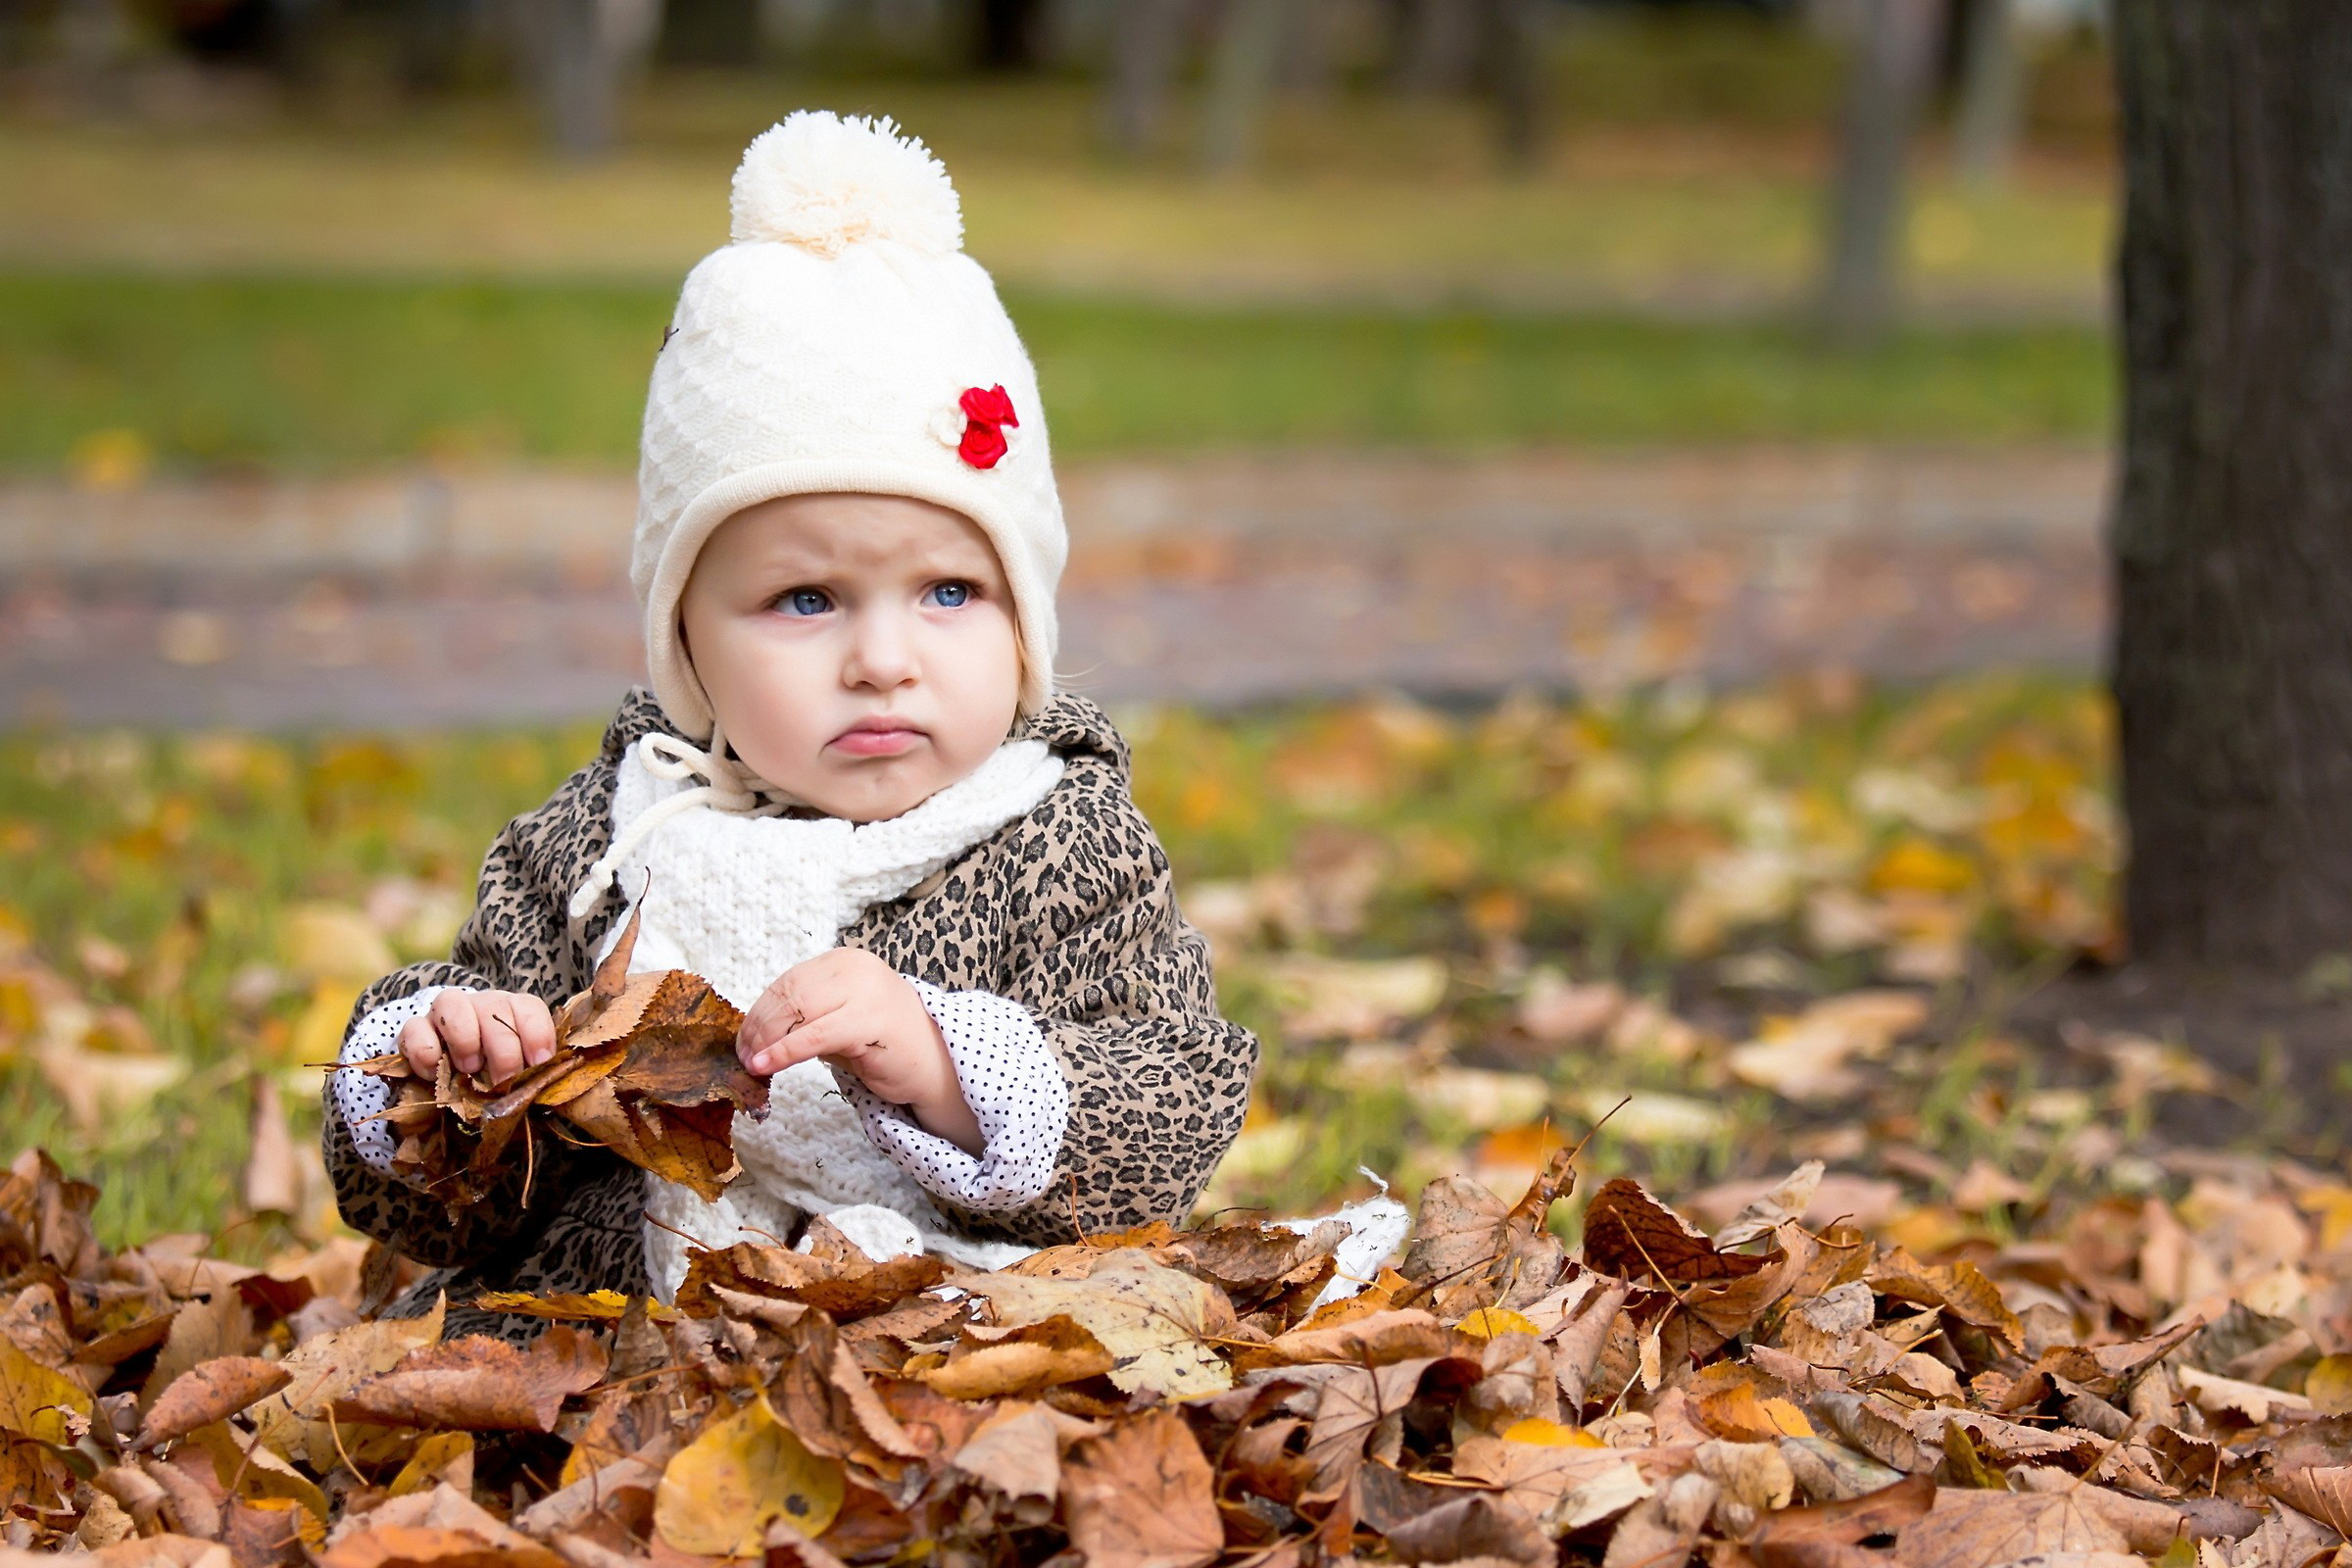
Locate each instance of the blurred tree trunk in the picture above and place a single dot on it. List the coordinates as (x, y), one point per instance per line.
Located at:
(1006, 37)
(1242, 72)
(2232, 534)
(93, 39)
(1309, 52)
(581, 52)
(1894, 58)
(1992, 92)
(1437, 44)
(1513, 46)
(1146, 44)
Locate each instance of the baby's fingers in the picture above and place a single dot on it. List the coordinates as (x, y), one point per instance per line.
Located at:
(455, 1020)
(827, 1036)
(536, 1025)
(502, 1039)
(421, 1047)
(784, 1007)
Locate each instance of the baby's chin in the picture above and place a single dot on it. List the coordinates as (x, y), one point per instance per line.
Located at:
(873, 789)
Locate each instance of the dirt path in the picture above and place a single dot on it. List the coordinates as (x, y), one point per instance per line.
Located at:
(411, 601)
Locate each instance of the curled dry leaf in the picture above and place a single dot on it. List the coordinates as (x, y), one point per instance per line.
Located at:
(1018, 1360)
(295, 1422)
(436, 1528)
(1805, 1537)
(843, 1288)
(208, 1392)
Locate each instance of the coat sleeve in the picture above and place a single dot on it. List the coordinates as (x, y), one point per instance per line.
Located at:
(1120, 985)
(515, 940)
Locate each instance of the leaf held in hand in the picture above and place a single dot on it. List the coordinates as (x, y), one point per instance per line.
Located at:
(643, 1065)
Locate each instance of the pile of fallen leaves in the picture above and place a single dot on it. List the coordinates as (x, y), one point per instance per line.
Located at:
(2157, 1382)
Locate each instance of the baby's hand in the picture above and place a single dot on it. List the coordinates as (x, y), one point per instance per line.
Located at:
(850, 1005)
(489, 1034)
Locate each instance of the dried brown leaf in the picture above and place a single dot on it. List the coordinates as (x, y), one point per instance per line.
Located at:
(843, 1289)
(1831, 1534)
(208, 1392)
(479, 1384)
(1968, 1528)
(1632, 1236)
(1141, 1496)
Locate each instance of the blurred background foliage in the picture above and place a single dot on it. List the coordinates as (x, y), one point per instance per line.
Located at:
(336, 233)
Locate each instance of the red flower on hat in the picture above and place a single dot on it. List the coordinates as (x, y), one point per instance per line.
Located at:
(987, 412)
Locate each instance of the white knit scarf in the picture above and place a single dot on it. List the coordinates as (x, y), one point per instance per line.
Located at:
(738, 896)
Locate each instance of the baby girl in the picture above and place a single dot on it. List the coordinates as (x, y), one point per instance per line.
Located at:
(853, 801)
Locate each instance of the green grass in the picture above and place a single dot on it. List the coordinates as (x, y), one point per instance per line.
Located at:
(316, 372)
(154, 873)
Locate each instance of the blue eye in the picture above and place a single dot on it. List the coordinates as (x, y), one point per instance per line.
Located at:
(949, 595)
(805, 602)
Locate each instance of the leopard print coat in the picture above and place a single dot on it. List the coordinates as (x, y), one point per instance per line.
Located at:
(1070, 911)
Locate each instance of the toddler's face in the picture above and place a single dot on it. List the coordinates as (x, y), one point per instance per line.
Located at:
(859, 649)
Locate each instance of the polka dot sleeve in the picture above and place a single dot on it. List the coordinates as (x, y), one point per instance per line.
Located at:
(360, 1099)
(1016, 1091)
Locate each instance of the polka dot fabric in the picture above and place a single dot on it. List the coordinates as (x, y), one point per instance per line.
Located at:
(1016, 1091)
(360, 1099)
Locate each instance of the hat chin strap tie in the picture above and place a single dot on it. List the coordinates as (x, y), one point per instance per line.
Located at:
(723, 786)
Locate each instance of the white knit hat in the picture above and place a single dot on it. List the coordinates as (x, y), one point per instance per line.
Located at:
(842, 341)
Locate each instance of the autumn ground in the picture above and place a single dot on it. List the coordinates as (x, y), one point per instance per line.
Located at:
(1990, 1319)
(1785, 923)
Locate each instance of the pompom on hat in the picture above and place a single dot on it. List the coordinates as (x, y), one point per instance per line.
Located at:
(842, 341)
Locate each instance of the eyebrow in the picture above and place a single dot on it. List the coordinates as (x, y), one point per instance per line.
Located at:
(959, 559)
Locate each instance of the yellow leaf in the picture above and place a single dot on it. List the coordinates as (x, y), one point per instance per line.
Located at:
(112, 459)
(2328, 1388)
(432, 1460)
(718, 1495)
(336, 942)
(40, 1404)
(2333, 1206)
(1920, 865)
(1736, 1413)
(1489, 1321)
(595, 1306)
(1550, 1434)
(318, 1034)
(245, 1464)
(1155, 1322)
